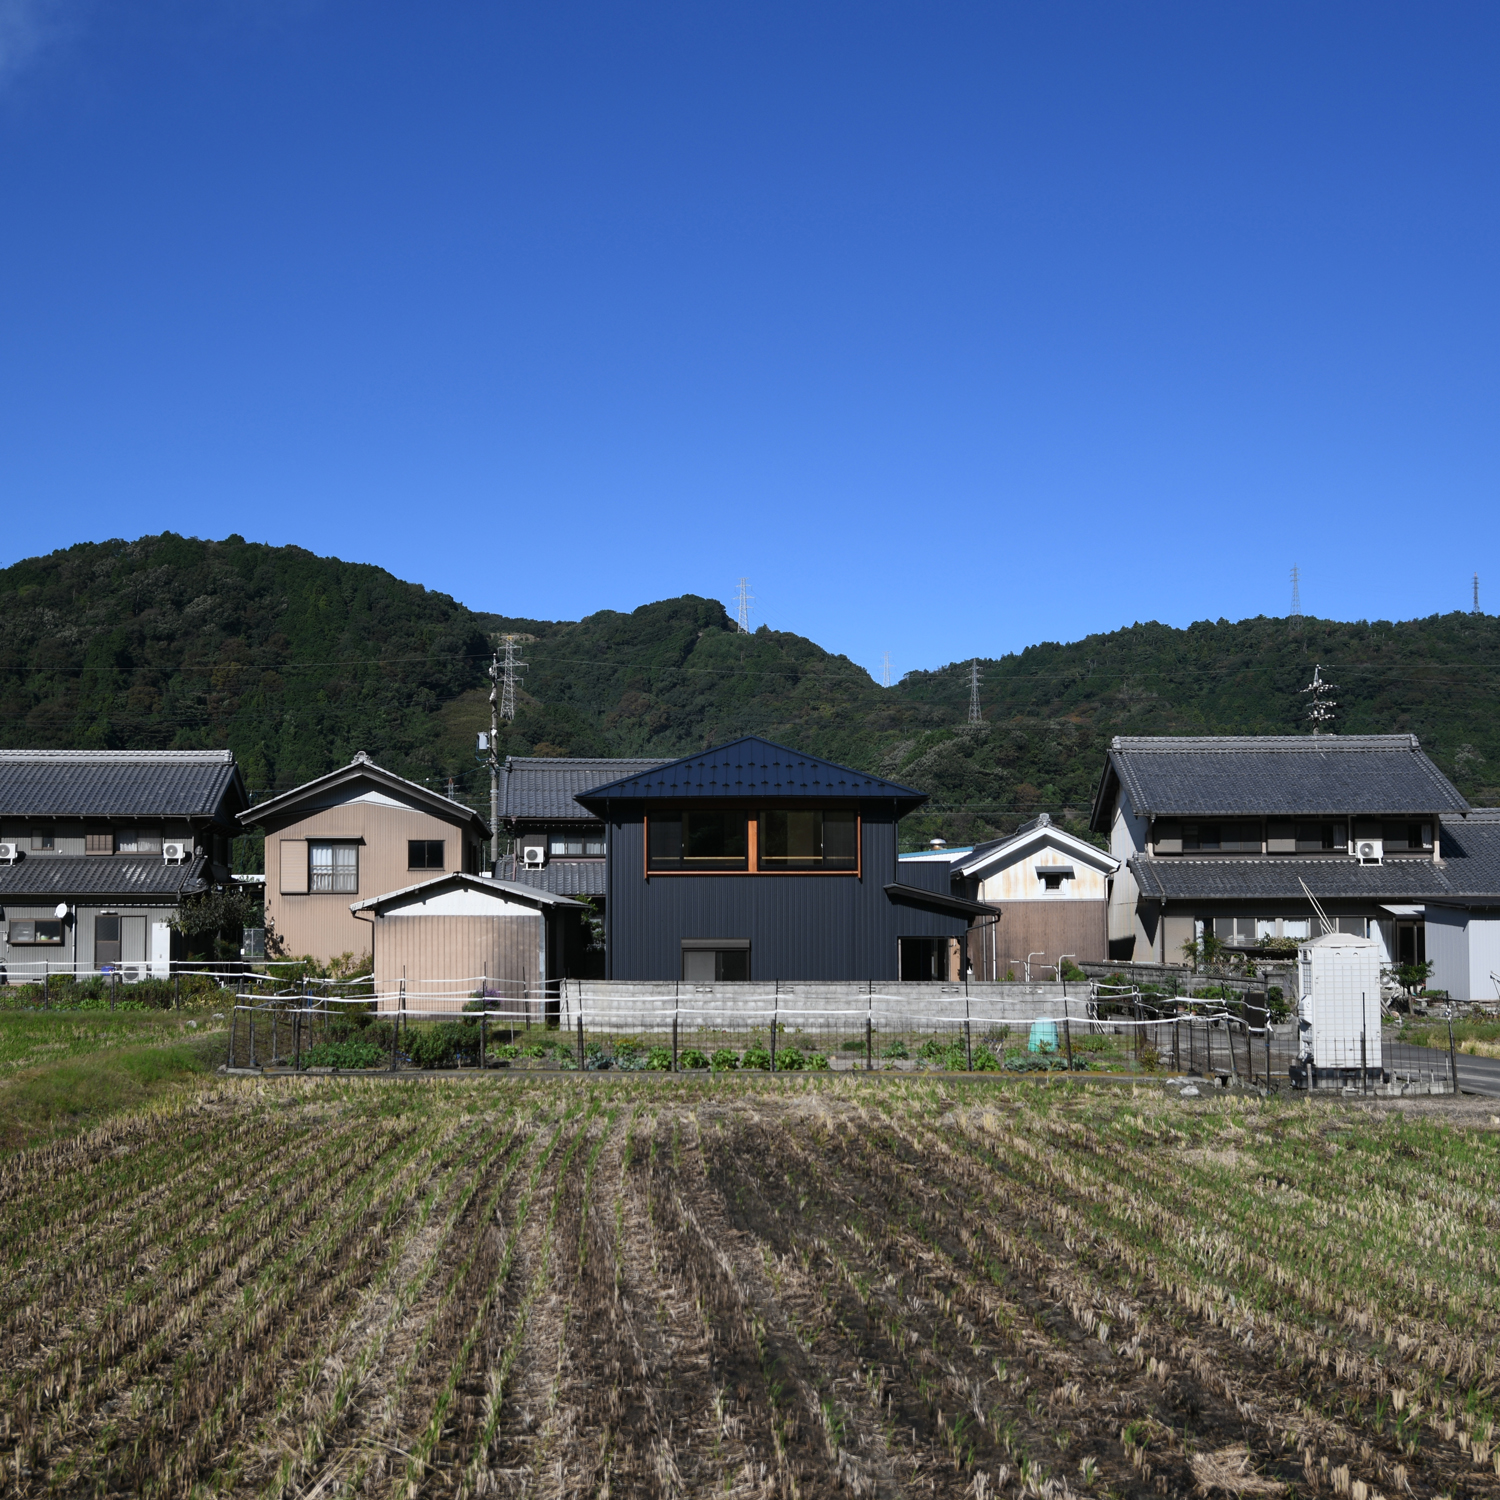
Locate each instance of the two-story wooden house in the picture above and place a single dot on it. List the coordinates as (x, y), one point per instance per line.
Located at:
(1238, 835)
(98, 849)
(753, 861)
(360, 831)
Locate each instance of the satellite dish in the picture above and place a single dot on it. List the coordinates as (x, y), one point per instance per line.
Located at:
(60, 910)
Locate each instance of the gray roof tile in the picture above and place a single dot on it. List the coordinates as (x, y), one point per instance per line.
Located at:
(540, 786)
(57, 877)
(1245, 775)
(118, 783)
(565, 877)
(758, 769)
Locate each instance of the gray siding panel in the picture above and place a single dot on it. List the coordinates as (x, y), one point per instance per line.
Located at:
(800, 927)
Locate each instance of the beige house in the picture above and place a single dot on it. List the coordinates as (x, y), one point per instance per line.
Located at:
(1050, 894)
(359, 831)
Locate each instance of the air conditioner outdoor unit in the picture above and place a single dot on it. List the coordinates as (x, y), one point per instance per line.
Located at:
(10, 853)
(1370, 851)
(173, 853)
(534, 856)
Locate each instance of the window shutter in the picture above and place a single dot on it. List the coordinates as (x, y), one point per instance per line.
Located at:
(293, 867)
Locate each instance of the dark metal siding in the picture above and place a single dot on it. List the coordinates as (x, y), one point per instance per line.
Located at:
(808, 927)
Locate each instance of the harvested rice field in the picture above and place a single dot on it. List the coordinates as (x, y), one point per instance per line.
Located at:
(750, 1286)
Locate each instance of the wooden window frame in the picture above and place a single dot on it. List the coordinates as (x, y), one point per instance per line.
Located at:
(752, 853)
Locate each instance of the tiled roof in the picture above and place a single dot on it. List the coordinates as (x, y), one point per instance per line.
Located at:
(118, 783)
(362, 768)
(1257, 775)
(753, 768)
(56, 877)
(539, 786)
(565, 877)
(1470, 868)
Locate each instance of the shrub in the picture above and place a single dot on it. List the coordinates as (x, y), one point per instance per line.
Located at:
(659, 1059)
(756, 1057)
(724, 1061)
(350, 1053)
(1276, 1004)
(896, 1050)
(1072, 974)
(791, 1060)
(691, 1057)
(441, 1046)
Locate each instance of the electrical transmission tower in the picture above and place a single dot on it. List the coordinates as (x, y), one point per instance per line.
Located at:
(1320, 710)
(742, 602)
(885, 671)
(1296, 615)
(510, 676)
(1476, 593)
(975, 717)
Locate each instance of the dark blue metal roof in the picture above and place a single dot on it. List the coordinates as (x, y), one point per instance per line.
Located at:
(754, 769)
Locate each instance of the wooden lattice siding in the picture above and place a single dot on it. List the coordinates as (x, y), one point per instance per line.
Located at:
(443, 958)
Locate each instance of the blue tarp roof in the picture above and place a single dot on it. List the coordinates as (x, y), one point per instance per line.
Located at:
(754, 769)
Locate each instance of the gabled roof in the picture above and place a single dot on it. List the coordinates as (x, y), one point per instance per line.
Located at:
(538, 786)
(49, 878)
(362, 768)
(1270, 775)
(1039, 831)
(501, 890)
(119, 783)
(755, 769)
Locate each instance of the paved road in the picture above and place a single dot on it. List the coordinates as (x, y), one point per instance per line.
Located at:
(1476, 1075)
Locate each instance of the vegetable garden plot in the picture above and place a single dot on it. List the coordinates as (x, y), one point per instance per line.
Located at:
(750, 1286)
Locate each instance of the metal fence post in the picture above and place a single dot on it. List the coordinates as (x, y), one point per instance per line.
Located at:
(252, 1036)
(968, 1045)
(1268, 1047)
(234, 1016)
(482, 1019)
(112, 977)
(1067, 1029)
(1452, 1055)
(297, 1039)
(580, 1039)
(674, 1041)
(46, 989)
(869, 1044)
(775, 1013)
(177, 990)
(1364, 1072)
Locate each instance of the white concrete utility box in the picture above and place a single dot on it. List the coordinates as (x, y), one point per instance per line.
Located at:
(1338, 981)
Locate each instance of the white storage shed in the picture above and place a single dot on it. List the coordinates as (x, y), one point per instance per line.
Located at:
(1338, 1005)
(1463, 947)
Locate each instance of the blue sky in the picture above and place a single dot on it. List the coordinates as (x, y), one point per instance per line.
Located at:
(950, 327)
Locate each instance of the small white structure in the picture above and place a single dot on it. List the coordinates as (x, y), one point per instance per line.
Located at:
(1463, 946)
(1338, 1008)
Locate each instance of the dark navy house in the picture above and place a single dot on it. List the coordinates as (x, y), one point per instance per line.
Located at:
(755, 862)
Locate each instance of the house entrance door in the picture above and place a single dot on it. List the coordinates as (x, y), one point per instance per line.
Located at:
(106, 940)
(1411, 943)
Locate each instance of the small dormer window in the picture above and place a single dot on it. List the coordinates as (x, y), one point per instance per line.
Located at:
(1052, 876)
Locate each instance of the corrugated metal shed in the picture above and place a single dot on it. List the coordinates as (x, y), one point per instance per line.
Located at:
(119, 783)
(543, 787)
(1249, 775)
(755, 769)
(119, 877)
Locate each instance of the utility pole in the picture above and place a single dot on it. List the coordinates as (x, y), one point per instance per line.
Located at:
(490, 745)
(743, 599)
(885, 671)
(975, 717)
(1320, 710)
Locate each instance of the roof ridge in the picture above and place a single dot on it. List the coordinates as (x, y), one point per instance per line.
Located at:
(1265, 742)
(119, 757)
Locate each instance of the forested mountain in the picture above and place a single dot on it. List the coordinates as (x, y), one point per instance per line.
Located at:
(297, 661)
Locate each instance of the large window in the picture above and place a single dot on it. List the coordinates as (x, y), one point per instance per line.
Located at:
(1404, 835)
(36, 932)
(807, 839)
(1321, 837)
(42, 838)
(693, 840)
(333, 867)
(138, 841)
(1221, 838)
(705, 961)
(588, 845)
(424, 854)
